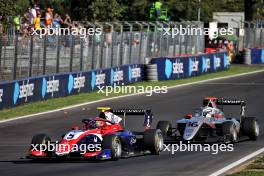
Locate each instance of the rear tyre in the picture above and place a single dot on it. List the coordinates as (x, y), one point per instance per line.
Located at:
(113, 143)
(165, 127)
(153, 141)
(229, 132)
(250, 127)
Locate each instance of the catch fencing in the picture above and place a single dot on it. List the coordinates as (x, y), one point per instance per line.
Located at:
(120, 43)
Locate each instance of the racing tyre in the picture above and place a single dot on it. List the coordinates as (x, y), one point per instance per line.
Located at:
(113, 143)
(153, 141)
(250, 127)
(229, 132)
(165, 127)
(40, 139)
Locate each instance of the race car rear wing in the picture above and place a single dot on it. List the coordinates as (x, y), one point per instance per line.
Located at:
(147, 113)
(242, 103)
(224, 101)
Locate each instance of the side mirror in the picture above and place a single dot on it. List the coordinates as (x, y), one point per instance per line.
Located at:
(188, 116)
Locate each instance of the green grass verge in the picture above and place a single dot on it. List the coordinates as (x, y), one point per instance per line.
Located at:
(256, 168)
(55, 103)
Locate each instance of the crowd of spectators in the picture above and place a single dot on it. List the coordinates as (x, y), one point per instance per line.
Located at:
(37, 19)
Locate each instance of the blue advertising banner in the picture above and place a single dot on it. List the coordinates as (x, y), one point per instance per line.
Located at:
(14, 93)
(183, 67)
(257, 56)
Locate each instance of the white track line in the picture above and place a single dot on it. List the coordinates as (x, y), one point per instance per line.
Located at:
(238, 162)
(123, 96)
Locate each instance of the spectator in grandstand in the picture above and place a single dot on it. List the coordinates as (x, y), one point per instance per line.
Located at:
(68, 21)
(17, 23)
(57, 20)
(230, 51)
(26, 27)
(1, 25)
(158, 5)
(33, 13)
(37, 22)
(49, 17)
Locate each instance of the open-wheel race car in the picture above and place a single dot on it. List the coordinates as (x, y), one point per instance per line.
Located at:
(102, 137)
(210, 124)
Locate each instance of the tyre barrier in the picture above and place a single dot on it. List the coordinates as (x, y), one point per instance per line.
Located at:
(151, 72)
(247, 56)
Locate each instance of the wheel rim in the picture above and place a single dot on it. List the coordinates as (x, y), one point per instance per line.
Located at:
(117, 148)
(234, 136)
(256, 129)
(159, 142)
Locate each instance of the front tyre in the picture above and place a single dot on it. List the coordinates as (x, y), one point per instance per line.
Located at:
(250, 127)
(113, 143)
(39, 141)
(229, 132)
(153, 141)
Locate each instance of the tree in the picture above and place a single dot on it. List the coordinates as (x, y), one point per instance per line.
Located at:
(105, 10)
(7, 8)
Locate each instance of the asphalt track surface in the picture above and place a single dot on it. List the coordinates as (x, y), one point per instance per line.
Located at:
(16, 135)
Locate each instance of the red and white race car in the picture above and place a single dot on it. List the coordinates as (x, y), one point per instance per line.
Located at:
(102, 137)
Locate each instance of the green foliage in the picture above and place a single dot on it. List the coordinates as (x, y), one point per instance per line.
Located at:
(132, 10)
(21, 6)
(7, 7)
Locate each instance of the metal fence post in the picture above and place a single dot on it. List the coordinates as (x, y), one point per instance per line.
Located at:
(261, 38)
(112, 43)
(30, 56)
(154, 37)
(15, 57)
(81, 54)
(101, 53)
(44, 54)
(140, 42)
(147, 39)
(58, 55)
(130, 41)
(71, 53)
(1, 51)
(121, 44)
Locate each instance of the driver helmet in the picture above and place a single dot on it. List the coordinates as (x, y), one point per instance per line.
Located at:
(208, 112)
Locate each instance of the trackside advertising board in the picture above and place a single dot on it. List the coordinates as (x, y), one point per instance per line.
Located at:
(257, 56)
(170, 68)
(13, 93)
